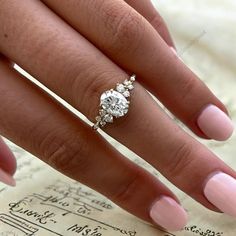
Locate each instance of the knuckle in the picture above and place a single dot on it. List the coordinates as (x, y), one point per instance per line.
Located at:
(68, 155)
(188, 86)
(181, 160)
(126, 27)
(125, 192)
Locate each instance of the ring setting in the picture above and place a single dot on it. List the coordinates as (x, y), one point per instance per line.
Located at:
(114, 103)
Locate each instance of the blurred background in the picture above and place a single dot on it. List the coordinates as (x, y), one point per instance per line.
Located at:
(205, 34)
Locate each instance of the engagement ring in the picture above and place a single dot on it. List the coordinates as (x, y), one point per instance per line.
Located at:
(114, 103)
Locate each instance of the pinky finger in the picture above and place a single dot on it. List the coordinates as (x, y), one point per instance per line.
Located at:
(148, 11)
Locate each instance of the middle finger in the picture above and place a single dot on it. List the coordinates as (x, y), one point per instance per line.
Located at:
(73, 68)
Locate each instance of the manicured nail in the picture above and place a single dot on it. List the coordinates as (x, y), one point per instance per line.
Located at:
(168, 214)
(215, 123)
(220, 190)
(6, 178)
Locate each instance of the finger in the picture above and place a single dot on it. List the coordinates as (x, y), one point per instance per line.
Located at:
(127, 38)
(146, 8)
(6, 60)
(7, 158)
(73, 148)
(80, 80)
(7, 164)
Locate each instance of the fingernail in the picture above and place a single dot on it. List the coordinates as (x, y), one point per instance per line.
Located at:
(6, 178)
(220, 190)
(167, 213)
(215, 123)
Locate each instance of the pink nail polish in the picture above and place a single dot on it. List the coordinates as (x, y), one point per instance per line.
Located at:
(220, 190)
(6, 178)
(215, 123)
(168, 214)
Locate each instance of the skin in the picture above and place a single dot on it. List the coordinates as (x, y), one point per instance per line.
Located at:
(78, 56)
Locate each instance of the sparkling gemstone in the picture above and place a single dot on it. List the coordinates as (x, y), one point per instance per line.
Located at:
(114, 103)
(132, 78)
(120, 88)
(127, 82)
(126, 93)
(108, 118)
(102, 112)
(98, 118)
(102, 123)
(130, 87)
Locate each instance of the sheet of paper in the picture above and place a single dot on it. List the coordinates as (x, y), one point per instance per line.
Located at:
(46, 203)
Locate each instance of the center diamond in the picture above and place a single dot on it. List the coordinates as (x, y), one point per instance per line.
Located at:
(114, 103)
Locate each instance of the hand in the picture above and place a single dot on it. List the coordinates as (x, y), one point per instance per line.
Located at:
(79, 49)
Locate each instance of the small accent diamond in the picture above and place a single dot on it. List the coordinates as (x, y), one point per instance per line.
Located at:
(126, 82)
(120, 88)
(130, 87)
(108, 118)
(126, 93)
(132, 78)
(102, 112)
(98, 118)
(102, 123)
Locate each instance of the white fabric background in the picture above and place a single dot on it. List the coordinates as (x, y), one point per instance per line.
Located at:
(212, 56)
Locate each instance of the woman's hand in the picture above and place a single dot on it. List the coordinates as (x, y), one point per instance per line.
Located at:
(79, 49)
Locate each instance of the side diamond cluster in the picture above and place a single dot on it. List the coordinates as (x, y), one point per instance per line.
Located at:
(105, 115)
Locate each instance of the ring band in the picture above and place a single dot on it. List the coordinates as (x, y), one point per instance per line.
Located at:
(114, 103)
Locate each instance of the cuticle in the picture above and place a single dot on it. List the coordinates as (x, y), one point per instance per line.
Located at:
(210, 175)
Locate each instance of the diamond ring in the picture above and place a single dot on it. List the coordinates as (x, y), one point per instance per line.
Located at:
(114, 103)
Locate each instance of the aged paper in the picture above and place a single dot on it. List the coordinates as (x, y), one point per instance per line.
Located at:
(46, 203)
